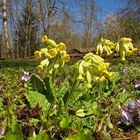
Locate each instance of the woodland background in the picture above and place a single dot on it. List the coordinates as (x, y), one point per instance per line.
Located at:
(23, 22)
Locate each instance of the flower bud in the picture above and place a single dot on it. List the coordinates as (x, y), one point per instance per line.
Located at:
(44, 38)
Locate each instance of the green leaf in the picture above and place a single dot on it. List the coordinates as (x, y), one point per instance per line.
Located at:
(75, 97)
(14, 134)
(79, 137)
(109, 123)
(64, 123)
(35, 97)
(106, 136)
(51, 91)
(115, 78)
(137, 127)
(33, 121)
(38, 84)
(89, 78)
(80, 113)
(1, 104)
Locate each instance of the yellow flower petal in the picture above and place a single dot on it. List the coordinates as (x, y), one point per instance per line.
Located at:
(61, 46)
(104, 66)
(80, 78)
(128, 53)
(102, 78)
(110, 75)
(52, 53)
(134, 50)
(40, 68)
(89, 85)
(125, 40)
(66, 57)
(37, 54)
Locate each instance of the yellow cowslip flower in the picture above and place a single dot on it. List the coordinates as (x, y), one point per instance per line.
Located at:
(40, 68)
(66, 57)
(104, 66)
(99, 49)
(109, 52)
(112, 45)
(110, 75)
(61, 47)
(128, 53)
(134, 50)
(101, 79)
(80, 78)
(125, 40)
(52, 53)
(89, 85)
(37, 54)
(44, 51)
(44, 38)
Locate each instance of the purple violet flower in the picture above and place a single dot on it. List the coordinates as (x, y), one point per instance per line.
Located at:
(126, 117)
(138, 103)
(126, 70)
(25, 77)
(3, 125)
(137, 86)
(132, 105)
(139, 113)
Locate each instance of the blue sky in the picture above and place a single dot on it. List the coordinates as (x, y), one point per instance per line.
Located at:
(106, 7)
(109, 6)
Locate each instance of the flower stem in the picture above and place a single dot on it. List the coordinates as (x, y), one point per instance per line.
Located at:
(71, 93)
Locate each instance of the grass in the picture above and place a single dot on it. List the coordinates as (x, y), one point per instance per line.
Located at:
(18, 63)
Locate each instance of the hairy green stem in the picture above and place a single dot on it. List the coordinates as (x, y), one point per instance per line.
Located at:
(73, 88)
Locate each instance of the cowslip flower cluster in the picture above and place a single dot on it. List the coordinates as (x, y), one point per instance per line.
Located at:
(92, 68)
(125, 48)
(126, 113)
(53, 52)
(105, 46)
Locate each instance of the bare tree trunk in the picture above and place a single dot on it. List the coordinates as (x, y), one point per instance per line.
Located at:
(42, 16)
(90, 20)
(6, 44)
(47, 14)
(17, 48)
